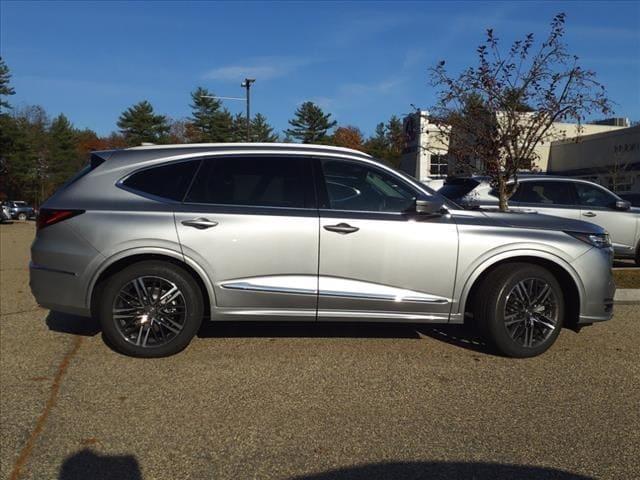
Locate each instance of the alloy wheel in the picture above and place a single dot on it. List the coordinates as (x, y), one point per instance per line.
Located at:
(149, 311)
(531, 312)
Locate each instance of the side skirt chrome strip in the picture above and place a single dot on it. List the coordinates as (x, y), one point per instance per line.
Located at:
(331, 287)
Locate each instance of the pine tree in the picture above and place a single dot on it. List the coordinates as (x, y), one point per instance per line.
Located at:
(209, 121)
(63, 155)
(261, 131)
(5, 88)
(388, 141)
(310, 124)
(238, 128)
(7, 125)
(139, 124)
(27, 166)
(395, 139)
(377, 145)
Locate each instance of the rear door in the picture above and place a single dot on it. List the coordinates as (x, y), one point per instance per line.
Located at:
(549, 197)
(251, 222)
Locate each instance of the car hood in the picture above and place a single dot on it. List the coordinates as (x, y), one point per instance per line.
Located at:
(533, 220)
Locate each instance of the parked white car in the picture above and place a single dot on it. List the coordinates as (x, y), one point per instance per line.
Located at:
(565, 197)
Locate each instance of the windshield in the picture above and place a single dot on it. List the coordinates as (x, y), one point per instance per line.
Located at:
(457, 188)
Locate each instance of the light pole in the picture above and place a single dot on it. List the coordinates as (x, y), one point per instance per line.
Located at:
(247, 85)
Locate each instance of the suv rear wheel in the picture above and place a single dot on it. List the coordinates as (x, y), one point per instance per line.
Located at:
(150, 309)
(520, 309)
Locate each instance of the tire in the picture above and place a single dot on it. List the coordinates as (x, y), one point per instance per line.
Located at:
(147, 319)
(510, 318)
(22, 217)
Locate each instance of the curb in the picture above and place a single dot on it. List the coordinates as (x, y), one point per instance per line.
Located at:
(627, 295)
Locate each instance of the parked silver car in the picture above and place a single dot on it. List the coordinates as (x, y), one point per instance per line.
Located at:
(565, 197)
(151, 240)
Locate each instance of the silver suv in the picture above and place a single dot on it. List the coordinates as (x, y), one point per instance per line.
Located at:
(152, 240)
(564, 197)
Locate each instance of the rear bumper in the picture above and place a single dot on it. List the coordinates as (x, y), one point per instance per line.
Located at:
(57, 290)
(61, 262)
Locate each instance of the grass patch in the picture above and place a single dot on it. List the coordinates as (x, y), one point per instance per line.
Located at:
(627, 278)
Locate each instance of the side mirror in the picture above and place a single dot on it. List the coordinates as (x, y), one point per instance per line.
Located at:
(622, 205)
(429, 207)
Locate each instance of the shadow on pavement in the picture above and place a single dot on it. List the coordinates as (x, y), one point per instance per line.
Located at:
(87, 464)
(72, 324)
(457, 335)
(444, 470)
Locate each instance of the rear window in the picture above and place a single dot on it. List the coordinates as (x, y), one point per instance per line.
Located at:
(457, 188)
(253, 181)
(166, 181)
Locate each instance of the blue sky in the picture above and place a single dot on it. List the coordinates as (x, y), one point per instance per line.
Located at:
(361, 61)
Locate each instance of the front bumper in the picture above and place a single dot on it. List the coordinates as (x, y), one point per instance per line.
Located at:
(594, 269)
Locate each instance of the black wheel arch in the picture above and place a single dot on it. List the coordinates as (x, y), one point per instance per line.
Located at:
(569, 288)
(122, 263)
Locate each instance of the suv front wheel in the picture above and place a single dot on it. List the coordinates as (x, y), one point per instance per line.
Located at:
(520, 309)
(150, 309)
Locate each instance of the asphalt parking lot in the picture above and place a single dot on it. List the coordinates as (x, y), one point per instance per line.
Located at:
(309, 401)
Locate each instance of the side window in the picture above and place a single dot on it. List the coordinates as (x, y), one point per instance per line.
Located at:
(354, 186)
(253, 181)
(544, 193)
(167, 181)
(591, 196)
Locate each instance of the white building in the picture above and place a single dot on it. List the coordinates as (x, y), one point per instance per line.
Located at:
(609, 158)
(425, 154)
(597, 151)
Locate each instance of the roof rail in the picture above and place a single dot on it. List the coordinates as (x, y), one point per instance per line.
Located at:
(287, 146)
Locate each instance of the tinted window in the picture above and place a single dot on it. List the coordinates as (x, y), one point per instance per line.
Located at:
(166, 181)
(546, 193)
(455, 189)
(591, 196)
(353, 186)
(253, 181)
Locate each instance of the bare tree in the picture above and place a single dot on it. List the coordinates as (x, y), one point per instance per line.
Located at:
(501, 109)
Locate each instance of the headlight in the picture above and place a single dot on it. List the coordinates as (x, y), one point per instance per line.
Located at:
(598, 240)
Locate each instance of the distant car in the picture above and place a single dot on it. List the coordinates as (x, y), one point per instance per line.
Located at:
(21, 210)
(565, 197)
(5, 215)
(633, 198)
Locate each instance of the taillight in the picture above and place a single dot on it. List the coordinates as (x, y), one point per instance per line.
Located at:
(50, 216)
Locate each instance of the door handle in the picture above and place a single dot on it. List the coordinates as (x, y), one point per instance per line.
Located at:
(342, 228)
(589, 214)
(200, 223)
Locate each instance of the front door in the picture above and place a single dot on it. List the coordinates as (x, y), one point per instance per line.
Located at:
(378, 260)
(252, 223)
(597, 205)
